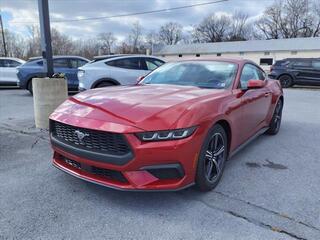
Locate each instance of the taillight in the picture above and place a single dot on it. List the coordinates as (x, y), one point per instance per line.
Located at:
(271, 68)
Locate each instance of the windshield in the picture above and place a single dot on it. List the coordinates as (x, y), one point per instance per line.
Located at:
(203, 74)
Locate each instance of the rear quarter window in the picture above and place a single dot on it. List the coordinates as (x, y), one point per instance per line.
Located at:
(128, 63)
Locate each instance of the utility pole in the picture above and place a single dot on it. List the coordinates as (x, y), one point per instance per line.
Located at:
(46, 48)
(3, 37)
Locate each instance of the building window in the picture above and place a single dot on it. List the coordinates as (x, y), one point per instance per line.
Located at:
(219, 54)
(294, 52)
(180, 55)
(197, 55)
(266, 53)
(241, 53)
(266, 61)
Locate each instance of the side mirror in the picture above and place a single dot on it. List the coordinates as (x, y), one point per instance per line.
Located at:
(252, 84)
(139, 79)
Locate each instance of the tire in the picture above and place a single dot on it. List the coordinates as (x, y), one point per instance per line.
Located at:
(104, 84)
(29, 87)
(286, 81)
(275, 123)
(213, 155)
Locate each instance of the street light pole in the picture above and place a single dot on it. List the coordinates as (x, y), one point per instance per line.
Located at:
(46, 48)
(3, 37)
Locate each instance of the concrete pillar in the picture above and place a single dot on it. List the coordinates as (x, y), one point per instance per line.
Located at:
(48, 94)
(147, 51)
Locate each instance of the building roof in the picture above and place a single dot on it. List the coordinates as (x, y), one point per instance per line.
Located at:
(292, 44)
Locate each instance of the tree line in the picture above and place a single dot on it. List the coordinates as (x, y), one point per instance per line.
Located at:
(282, 19)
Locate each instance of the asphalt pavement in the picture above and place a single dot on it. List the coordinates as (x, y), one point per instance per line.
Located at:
(270, 190)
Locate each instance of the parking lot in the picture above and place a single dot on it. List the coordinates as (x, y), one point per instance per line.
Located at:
(270, 190)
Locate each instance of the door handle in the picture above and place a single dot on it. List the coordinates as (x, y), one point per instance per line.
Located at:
(267, 94)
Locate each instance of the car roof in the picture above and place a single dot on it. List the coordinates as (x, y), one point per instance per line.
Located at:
(133, 56)
(59, 56)
(294, 59)
(12, 58)
(219, 59)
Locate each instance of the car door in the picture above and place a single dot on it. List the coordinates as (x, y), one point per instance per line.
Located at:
(126, 70)
(74, 64)
(316, 72)
(11, 71)
(255, 102)
(302, 69)
(3, 72)
(62, 65)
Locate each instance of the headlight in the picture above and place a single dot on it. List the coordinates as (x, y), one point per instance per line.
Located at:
(166, 135)
(80, 73)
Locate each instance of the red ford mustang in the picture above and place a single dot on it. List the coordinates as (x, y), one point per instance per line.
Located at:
(175, 128)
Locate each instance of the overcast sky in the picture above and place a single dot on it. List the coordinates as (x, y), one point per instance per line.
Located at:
(17, 14)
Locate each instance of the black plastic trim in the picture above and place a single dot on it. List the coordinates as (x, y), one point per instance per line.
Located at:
(95, 156)
(176, 166)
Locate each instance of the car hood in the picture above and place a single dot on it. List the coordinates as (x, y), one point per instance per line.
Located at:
(148, 107)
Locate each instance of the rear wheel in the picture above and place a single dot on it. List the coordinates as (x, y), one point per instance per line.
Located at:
(212, 159)
(104, 84)
(276, 119)
(29, 87)
(286, 81)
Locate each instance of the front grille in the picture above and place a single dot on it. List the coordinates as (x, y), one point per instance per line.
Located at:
(102, 172)
(98, 141)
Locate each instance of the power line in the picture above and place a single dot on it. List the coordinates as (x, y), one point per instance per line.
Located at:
(133, 14)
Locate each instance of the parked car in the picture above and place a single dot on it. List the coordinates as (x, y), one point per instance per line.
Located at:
(67, 65)
(8, 71)
(116, 70)
(297, 71)
(175, 128)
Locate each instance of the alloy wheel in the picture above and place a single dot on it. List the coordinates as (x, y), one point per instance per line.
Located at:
(278, 115)
(214, 157)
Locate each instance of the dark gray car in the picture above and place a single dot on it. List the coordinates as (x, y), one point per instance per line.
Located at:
(297, 71)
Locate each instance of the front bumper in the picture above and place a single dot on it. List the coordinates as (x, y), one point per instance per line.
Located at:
(156, 166)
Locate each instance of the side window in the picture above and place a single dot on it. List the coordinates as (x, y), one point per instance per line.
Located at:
(249, 72)
(301, 64)
(262, 74)
(1, 63)
(129, 63)
(60, 62)
(40, 63)
(81, 62)
(75, 63)
(12, 63)
(152, 63)
(316, 64)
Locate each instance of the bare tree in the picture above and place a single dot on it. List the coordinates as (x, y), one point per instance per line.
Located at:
(212, 29)
(33, 48)
(15, 44)
(289, 19)
(170, 33)
(239, 27)
(61, 44)
(107, 41)
(135, 37)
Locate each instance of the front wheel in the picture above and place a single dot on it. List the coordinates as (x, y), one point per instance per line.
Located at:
(212, 159)
(104, 84)
(276, 119)
(286, 81)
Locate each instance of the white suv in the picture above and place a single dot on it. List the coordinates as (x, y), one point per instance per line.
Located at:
(8, 71)
(115, 70)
